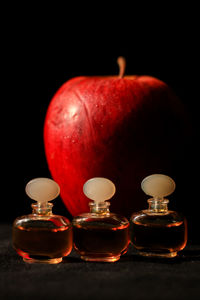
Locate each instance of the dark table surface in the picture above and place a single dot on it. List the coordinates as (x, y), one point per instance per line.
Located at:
(132, 277)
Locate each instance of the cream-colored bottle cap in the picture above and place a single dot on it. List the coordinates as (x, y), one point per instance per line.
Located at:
(42, 189)
(99, 189)
(158, 185)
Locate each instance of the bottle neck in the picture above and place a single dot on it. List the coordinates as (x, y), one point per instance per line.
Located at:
(158, 205)
(101, 208)
(44, 209)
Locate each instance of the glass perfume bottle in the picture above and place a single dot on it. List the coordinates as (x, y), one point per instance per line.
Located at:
(100, 235)
(42, 237)
(158, 231)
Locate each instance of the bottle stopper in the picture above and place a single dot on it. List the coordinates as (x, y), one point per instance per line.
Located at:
(158, 185)
(42, 189)
(99, 189)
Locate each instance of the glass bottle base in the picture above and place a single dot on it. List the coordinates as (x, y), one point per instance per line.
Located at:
(101, 259)
(157, 254)
(42, 261)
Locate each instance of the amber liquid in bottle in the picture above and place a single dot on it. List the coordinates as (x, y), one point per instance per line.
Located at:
(42, 238)
(101, 235)
(158, 232)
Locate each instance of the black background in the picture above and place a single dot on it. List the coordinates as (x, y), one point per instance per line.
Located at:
(42, 49)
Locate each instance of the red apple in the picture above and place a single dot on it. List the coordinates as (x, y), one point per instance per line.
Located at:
(122, 128)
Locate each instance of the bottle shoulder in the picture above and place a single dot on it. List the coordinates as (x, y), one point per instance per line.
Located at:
(148, 217)
(42, 221)
(110, 219)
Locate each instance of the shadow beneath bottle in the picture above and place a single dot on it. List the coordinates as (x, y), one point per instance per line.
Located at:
(191, 253)
(71, 259)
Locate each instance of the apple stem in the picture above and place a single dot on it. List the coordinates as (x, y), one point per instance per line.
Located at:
(122, 65)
